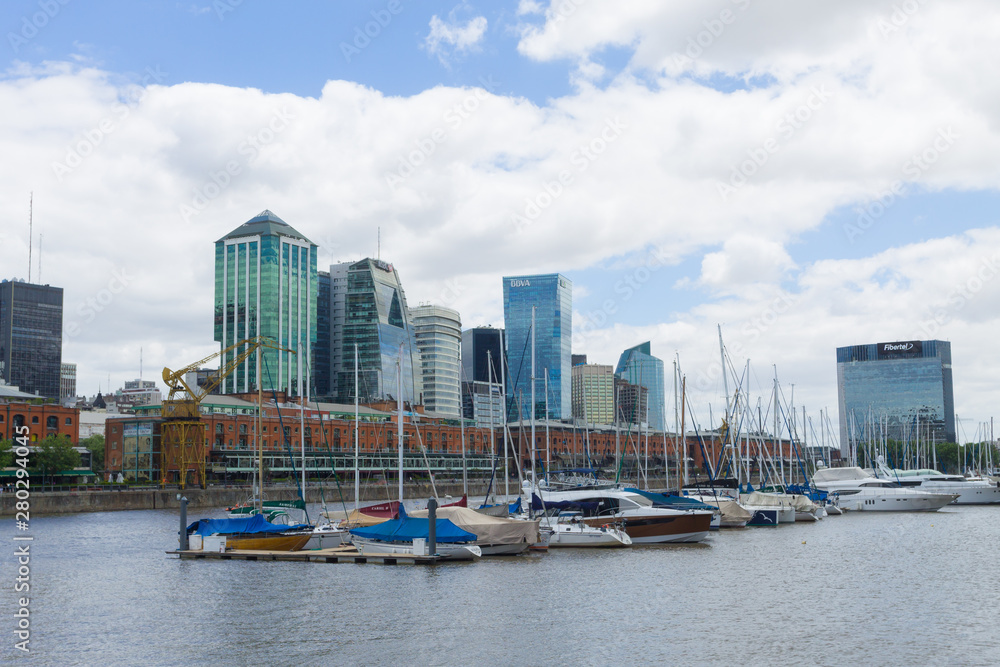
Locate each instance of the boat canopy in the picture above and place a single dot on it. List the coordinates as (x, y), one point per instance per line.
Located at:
(250, 525)
(406, 529)
(848, 474)
(562, 505)
(676, 502)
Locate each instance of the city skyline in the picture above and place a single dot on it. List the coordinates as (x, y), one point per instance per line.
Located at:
(809, 177)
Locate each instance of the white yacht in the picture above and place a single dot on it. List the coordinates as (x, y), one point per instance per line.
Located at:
(644, 523)
(858, 490)
(976, 491)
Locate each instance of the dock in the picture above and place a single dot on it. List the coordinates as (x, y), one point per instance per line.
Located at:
(335, 555)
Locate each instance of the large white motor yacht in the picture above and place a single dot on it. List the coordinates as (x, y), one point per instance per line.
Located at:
(978, 491)
(858, 490)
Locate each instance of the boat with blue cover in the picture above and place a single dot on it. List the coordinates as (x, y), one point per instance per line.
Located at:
(253, 532)
(397, 536)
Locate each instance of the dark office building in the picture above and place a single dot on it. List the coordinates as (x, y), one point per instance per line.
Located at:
(896, 389)
(321, 361)
(31, 337)
(479, 346)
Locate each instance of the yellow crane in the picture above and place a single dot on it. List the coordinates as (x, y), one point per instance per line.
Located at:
(182, 435)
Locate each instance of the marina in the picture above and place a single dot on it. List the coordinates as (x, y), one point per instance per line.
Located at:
(862, 588)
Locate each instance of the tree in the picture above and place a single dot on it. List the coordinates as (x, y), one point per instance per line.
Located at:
(95, 444)
(55, 454)
(6, 453)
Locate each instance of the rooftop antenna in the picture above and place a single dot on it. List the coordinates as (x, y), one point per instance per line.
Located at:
(39, 259)
(140, 367)
(31, 207)
(378, 243)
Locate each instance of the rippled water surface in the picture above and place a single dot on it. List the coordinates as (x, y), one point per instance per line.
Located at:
(853, 589)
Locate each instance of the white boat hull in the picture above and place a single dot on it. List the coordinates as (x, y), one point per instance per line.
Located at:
(445, 551)
(583, 536)
(894, 502)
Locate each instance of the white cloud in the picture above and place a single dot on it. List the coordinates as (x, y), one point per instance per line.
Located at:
(453, 36)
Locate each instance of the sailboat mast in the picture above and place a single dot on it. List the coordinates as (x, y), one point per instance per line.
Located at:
(683, 436)
(399, 417)
(534, 482)
(357, 444)
(259, 496)
(489, 377)
(548, 449)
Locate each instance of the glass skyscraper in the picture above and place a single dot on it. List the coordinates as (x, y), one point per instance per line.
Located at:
(637, 366)
(552, 297)
(266, 285)
(894, 388)
(377, 319)
(31, 326)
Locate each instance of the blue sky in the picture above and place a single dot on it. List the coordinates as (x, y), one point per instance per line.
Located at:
(544, 80)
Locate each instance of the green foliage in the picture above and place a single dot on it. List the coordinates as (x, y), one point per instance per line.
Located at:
(55, 454)
(95, 444)
(6, 453)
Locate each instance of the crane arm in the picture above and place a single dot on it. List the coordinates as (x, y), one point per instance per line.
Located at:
(175, 379)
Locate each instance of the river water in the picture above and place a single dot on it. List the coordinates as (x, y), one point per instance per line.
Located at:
(915, 589)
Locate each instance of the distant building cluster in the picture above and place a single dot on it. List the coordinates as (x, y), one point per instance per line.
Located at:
(354, 321)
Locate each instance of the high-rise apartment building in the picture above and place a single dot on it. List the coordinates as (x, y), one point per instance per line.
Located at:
(67, 381)
(896, 391)
(637, 366)
(594, 393)
(438, 331)
(31, 337)
(551, 296)
(377, 320)
(266, 285)
(633, 402)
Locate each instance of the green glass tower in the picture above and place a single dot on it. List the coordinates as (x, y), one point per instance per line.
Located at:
(266, 285)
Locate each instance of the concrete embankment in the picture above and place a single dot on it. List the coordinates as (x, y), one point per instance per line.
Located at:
(71, 502)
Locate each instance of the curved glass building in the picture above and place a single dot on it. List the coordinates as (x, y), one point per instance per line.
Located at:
(377, 319)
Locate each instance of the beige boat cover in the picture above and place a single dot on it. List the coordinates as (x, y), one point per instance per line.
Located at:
(797, 502)
(354, 519)
(487, 529)
(730, 510)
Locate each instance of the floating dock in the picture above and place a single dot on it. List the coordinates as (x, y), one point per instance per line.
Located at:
(335, 555)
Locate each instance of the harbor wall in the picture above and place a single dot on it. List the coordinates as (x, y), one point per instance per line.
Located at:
(71, 502)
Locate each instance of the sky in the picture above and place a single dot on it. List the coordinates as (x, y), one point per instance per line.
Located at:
(802, 175)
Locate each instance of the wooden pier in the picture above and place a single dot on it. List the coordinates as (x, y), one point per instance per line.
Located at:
(336, 555)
